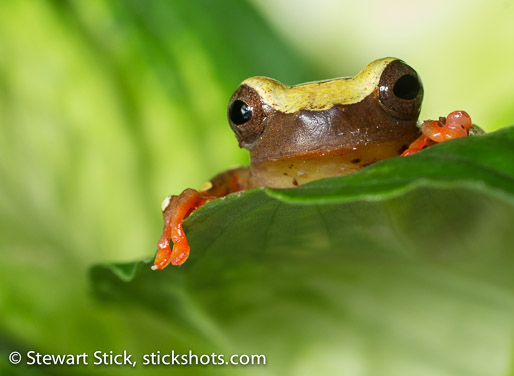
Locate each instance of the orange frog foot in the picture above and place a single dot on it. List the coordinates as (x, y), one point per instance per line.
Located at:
(175, 210)
(457, 124)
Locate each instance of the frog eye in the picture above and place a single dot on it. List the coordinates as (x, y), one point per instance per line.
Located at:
(406, 87)
(239, 112)
(245, 114)
(400, 91)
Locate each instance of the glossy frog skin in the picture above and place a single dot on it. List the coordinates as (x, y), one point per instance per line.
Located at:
(297, 134)
(307, 132)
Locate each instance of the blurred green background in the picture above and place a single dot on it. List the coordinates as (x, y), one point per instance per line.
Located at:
(106, 107)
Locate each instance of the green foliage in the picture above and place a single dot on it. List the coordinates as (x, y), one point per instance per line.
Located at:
(105, 108)
(108, 106)
(404, 265)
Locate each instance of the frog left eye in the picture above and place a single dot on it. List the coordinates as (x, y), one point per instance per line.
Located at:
(400, 91)
(406, 87)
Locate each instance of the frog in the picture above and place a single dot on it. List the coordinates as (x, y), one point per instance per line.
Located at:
(298, 134)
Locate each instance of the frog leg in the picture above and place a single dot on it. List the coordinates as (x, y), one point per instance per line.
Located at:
(177, 208)
(456, 125)
(420, 143)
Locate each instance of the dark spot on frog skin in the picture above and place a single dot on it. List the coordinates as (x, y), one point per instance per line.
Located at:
(285, 173)
(356, 160)
(291, 166)
(370, 163)
(402, 149)
(295, 182)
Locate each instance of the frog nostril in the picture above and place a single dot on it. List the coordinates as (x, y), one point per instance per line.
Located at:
(240, 112)
(406, 87)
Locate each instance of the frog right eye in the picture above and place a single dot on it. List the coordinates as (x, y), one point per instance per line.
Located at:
(246, 115)
(239, 112)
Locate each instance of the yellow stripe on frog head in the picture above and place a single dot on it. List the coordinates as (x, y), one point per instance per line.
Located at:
(319, 95)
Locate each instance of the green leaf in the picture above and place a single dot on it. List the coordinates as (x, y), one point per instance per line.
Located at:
(97, 108)
(404, 267)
